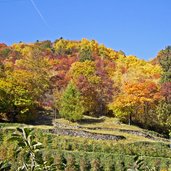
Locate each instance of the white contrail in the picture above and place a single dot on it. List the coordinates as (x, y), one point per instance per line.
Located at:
(39, 13)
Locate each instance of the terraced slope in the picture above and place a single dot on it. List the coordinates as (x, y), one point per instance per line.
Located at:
(105, 139)
(107, 128)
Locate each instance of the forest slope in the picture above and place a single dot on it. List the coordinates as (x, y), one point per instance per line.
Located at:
(77, 78)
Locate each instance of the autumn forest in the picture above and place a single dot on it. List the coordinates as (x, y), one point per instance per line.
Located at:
(78, 78)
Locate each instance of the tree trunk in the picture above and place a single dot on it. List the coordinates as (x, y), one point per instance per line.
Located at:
(130, 119)
(145, 112)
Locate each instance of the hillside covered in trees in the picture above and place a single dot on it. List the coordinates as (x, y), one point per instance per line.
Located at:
(77, 78)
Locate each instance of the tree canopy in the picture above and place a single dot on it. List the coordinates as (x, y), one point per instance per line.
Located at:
(83, 77)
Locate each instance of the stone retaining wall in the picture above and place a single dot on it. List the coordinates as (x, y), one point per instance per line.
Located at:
(86, 134)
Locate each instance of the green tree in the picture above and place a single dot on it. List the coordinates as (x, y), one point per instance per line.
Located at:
(164, 57)
(164, 107)
(85, 53)
(164, 114)
(71, 104)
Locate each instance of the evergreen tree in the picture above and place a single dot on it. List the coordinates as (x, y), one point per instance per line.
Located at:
(85, 53)
(165, 61)
(71, 104)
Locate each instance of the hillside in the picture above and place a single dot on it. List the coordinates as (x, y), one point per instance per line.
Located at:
(80, 77)
(86, 101)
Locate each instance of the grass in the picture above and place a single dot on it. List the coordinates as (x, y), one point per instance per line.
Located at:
(104, 122)
(105, 125)
(15, 125)
(111, 126)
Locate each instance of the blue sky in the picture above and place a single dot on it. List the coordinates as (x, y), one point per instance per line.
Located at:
(138, 27)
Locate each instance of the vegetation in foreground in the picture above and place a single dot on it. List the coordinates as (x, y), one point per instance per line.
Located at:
(24, 151)
(66, 152)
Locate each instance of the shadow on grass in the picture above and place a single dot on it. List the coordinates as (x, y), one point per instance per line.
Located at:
(44, 119)
(91, 120)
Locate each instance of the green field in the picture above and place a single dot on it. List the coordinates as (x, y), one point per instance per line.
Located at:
(107, 154)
